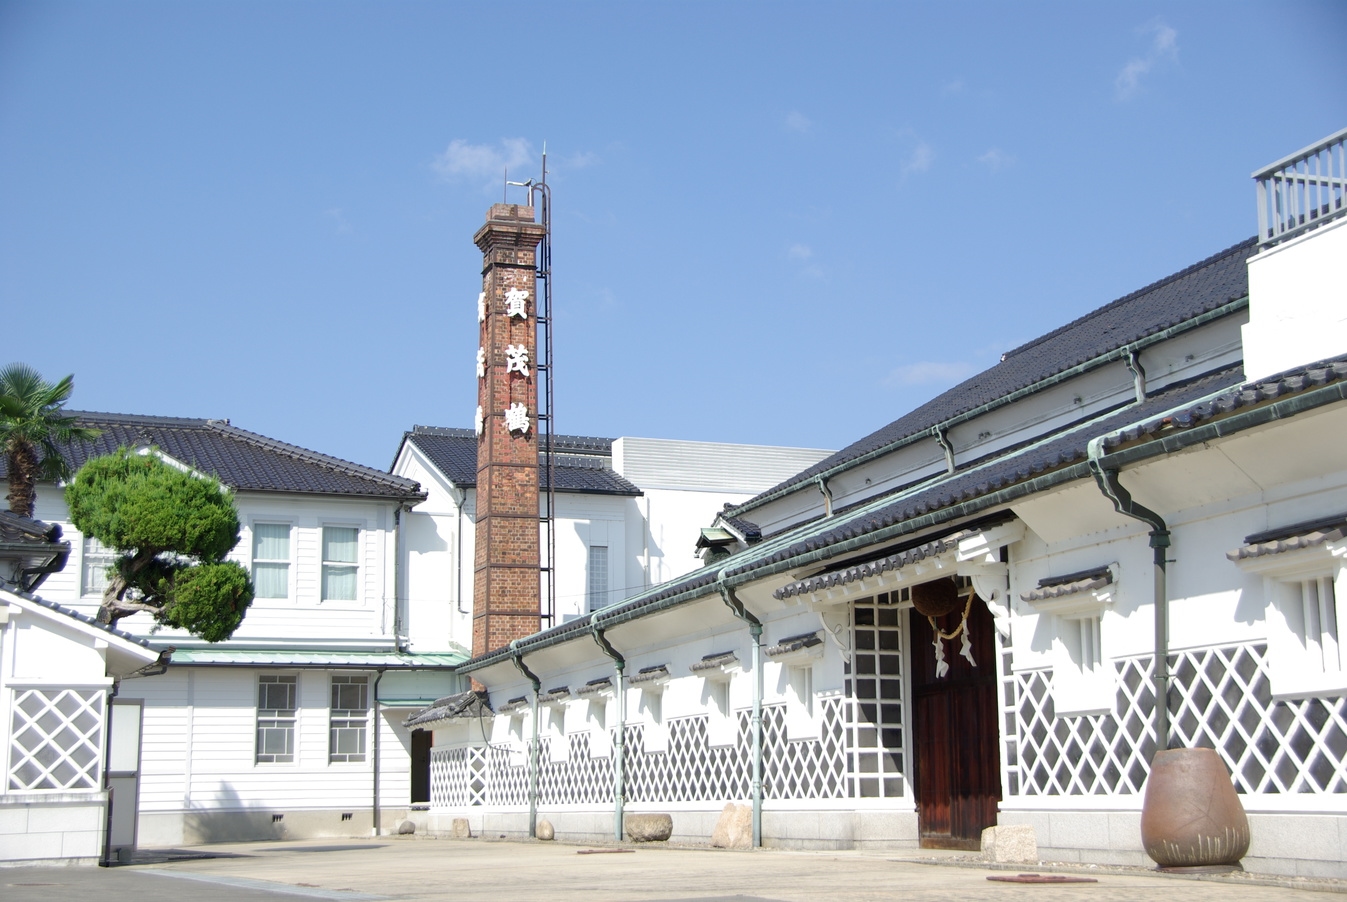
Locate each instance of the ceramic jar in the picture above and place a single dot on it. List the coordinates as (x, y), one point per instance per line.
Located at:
(1192, 816)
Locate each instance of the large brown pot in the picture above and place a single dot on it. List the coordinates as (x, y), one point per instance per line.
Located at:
(1192, 816)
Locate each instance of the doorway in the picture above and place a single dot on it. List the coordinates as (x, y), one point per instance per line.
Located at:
(421, 741)
(957, 765)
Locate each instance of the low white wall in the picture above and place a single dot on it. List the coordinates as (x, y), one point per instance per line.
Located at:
(1301, 845)
(52, 828)
(782, 828)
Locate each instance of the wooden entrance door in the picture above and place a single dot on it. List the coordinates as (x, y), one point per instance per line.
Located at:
(954, 725)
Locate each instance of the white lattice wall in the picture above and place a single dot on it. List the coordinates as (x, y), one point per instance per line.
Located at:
(1219, 698)
(690, 770)
(56, 739)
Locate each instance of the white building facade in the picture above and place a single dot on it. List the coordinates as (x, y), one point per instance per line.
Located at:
(1137, 523)
(293, 727)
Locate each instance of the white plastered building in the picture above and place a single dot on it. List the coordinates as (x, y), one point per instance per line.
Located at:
(1146, 504)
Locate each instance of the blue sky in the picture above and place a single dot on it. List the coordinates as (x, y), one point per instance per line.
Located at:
(774, 222)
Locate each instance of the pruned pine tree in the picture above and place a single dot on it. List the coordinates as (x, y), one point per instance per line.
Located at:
(172, 530)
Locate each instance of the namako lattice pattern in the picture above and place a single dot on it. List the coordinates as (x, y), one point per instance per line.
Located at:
(1219, 698)
(56, 740)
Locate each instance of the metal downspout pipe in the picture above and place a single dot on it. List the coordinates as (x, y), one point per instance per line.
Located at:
(518, 659)
(619, 752)
(755, 630)
(377, 721)
(1123, 503)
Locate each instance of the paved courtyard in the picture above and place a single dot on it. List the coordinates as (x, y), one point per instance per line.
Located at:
(467, 871)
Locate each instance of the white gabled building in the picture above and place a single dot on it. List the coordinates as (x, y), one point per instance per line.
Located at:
(1149, 502)
(276, 732)
(629, 515)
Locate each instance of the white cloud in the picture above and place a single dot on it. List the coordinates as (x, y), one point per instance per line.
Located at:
(953, 87)
(800, 251)
(337, 216)
(996, 159)
(581, 160)
(920, 160)
(924, 372)
(798, 122)
(1164, 48)
(464, 160)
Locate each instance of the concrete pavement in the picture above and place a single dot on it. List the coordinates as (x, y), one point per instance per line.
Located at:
(467, 871)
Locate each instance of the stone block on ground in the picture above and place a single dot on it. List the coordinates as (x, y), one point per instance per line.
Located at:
(734, 828)
(648, 827)
(1010, 844)
(406, 827)
(461, 829)
(544, 830)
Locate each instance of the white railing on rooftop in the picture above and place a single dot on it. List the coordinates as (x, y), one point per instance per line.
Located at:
(1302, 191)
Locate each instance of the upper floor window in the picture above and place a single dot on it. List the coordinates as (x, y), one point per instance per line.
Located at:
(271, 560)
(97, 558)
(340, 568)
(596, 570)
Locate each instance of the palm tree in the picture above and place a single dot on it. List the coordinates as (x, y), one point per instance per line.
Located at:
(32, 425)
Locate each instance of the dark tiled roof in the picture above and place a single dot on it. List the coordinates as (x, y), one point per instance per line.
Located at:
(715, 661)
(652, 674)
(452, 707)
(596, 687)
(794, 643)
(581, 463)
(1061, 586)
(1019, 466)
(242, 460)
(1249, 394)
(895, 561)
(1291, 538)
(746, 528)
(27, 531)
(1201, 288)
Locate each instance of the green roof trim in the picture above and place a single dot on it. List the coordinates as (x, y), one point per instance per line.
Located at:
(269, 657)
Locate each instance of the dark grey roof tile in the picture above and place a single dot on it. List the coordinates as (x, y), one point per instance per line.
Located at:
(240, 459)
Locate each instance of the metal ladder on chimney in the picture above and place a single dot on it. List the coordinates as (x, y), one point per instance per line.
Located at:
(547, 493)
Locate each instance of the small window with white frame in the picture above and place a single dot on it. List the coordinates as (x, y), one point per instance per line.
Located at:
(1304, 584)
(348, 718)
(650, 682)
(97, 559)
(271, 560)
(341, 568)
(1083, 677)
(276, 706)
(718, 672)
(797, 656)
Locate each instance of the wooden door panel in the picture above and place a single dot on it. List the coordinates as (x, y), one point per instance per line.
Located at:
(955, 725)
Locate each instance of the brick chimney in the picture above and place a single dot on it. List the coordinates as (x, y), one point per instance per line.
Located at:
(506, 585)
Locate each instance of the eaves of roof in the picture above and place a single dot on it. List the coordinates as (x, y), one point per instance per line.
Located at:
(85, 619)
(246, 657)
(1207, 290)
(1212, 407)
